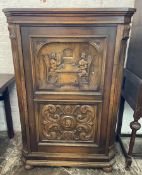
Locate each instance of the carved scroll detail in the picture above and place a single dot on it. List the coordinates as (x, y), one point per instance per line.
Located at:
(12, 34)
(97, 45)
(39, 44)
(126, 32)
(68, 122)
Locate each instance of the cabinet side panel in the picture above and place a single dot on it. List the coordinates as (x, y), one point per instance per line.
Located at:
(119, 57)
(14, 34)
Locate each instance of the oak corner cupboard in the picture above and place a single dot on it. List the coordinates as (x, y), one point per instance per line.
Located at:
(68, 68)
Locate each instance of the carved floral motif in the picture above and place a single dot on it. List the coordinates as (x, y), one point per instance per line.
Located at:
(68, 122)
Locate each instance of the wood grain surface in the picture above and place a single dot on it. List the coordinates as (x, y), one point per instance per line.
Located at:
(69, 66)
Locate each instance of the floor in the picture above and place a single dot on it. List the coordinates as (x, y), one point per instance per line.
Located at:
(11, 164)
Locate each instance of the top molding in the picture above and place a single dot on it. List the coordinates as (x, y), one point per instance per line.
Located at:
(69, 15)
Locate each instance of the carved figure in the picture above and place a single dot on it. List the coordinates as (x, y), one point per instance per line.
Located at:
(52, 77)
(83, 65)
(53, 62)
(65, 72)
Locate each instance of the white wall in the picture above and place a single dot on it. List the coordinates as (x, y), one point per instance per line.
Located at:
(6, 64)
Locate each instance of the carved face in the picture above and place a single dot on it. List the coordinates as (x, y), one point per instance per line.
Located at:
(68, 122)
(83, 55)
(52, 55)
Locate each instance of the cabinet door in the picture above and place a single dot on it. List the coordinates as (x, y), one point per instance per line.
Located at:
(68, 73)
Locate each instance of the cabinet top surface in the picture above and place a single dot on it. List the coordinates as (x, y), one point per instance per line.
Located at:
(86, 15)
(68, 10)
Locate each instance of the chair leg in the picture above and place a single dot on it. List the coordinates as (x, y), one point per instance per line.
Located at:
(8, 113)
(120, 118)
(135, 126)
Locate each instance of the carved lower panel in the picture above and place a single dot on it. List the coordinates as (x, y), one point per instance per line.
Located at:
(68, 122)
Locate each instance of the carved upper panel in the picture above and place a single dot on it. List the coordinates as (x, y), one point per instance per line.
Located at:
(67, 122)
(68, 65)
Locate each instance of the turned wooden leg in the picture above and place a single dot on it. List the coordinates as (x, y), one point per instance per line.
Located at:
(135, 126)
(28, 167)
(128, 162)
(107, 169)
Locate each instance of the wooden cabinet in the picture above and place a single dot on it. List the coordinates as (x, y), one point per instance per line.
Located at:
(68, 65)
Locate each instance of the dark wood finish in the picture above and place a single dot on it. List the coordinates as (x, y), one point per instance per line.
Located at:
(135, 125)
(108, 169)
(133, 79)
(68, 65)
(134, 98)
(120, 117)
(128, 94)
(5, 81)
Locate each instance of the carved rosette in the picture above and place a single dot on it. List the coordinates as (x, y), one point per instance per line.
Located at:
(68, 122)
